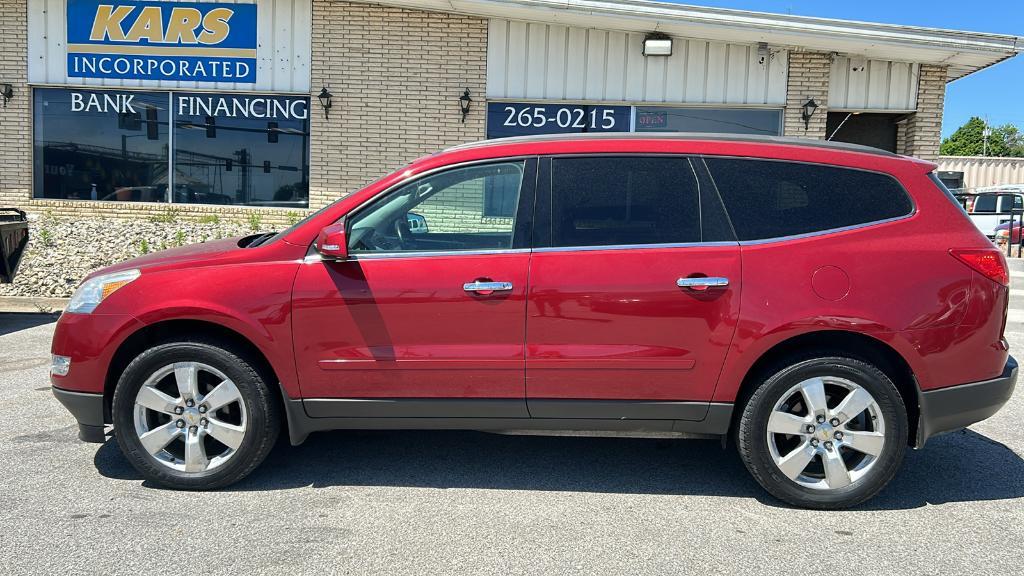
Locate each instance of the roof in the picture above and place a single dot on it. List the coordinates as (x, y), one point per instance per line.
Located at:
(686, 136)
(963, 52)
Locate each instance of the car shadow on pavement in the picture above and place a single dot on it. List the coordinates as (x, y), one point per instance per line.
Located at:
(16, 322)
(964, 466)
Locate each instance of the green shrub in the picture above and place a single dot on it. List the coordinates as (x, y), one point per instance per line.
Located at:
(168, 216)
(209, 219)
(143, 246)
(256, 222)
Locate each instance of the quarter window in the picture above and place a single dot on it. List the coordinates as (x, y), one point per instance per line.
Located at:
(773, 199)
(602, 201)
(441, 212)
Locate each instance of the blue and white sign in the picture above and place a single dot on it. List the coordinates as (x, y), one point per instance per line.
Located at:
(522, 119)
(156, 40)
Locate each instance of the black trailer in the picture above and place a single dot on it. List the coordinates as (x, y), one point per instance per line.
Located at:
(13, 240)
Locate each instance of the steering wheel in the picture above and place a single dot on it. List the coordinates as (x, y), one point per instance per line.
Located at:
(403, 231)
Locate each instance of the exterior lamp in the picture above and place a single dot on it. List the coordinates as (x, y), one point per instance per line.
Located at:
(7, 93)
(325, 101)
(464, 102)
(808, 110)
(657, 44)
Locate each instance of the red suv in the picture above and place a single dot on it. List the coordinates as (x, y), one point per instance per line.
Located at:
(823, 305)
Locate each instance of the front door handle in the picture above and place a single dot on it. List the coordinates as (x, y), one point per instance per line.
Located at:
(701, 283)
(485, 288)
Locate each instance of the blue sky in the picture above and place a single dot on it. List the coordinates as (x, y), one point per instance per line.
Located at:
(997, 92)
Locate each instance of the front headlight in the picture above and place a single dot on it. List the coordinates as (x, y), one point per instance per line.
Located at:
(95, 290)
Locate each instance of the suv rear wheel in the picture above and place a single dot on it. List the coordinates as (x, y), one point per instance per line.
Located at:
(826, 432)
(194, 415)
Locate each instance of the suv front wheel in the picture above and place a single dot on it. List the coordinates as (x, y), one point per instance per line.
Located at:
(826, 432)
(194, 415)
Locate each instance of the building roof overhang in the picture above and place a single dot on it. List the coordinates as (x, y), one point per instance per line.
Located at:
(963, 52)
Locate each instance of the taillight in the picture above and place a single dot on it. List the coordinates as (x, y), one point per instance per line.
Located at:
(988, 262)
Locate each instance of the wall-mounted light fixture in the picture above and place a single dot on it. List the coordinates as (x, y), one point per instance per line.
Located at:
(808, 110)
(657, 44)
(325, 101)
(464, 103)
(7, 93)
(763, 53)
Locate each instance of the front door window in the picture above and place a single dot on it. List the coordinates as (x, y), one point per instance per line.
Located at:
(448, 211)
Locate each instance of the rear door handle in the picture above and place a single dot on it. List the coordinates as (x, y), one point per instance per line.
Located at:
(486, 287)
(702, 282)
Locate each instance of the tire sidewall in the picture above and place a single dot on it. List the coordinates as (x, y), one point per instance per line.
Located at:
(753, 436)
(246, 379)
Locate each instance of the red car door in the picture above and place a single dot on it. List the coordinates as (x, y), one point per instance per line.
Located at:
(634, 297)
(425, 317)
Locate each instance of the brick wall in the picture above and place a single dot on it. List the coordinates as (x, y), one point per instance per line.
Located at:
(15, 122)
(808, 78)
(396, 76)
(923, 132)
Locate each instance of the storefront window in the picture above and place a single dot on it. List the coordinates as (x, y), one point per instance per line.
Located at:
(227, 148)
(709, 120)
(241, 149)
(100, 145)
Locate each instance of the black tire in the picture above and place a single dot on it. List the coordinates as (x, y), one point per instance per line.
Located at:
(752, 431)
(262, 412)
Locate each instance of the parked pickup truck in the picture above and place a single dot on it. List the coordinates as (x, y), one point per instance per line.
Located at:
(13, 240)
(990, 207)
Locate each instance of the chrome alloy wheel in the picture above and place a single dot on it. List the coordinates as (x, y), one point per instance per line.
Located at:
(190, 417)
(826, 433)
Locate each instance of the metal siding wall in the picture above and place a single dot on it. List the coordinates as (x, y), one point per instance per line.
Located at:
(862, 84)
(546, 61)
(282, 54)
(985, 171)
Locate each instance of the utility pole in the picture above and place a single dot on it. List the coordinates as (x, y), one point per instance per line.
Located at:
(985, 133)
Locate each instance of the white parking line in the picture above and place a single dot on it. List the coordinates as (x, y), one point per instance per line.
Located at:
(1014, 315)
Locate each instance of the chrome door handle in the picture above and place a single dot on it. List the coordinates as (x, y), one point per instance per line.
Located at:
(702, 283)
(487, 287)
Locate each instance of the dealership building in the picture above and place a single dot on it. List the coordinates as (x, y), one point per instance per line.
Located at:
(129, 108)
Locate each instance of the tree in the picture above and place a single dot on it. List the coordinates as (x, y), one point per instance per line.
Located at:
(968, 140)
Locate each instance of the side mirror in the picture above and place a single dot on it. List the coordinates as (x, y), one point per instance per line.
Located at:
(417, 223)
(331, 242)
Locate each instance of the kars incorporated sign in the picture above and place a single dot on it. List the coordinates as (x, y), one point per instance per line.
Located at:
(147, 40)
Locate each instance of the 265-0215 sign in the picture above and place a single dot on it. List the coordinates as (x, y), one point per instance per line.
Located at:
(148, 40)
(521, 119)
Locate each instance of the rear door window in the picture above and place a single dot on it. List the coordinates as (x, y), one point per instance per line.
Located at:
(774, 199)
(985, 204)
(605, 201)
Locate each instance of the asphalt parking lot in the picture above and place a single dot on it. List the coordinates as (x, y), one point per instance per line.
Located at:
(476, 503)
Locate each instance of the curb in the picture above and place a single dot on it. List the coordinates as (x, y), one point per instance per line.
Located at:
(32, 304)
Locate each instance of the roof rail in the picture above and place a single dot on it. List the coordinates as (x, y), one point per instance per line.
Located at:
(687, 136)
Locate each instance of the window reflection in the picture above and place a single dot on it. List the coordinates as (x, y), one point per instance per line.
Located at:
(709, 120)
(241, 149)
(114, 145)
(100, 145)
